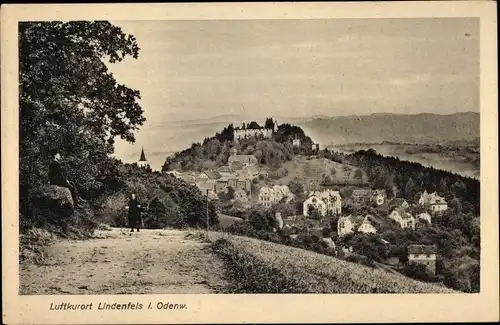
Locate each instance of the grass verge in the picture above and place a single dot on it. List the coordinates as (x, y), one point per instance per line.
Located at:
(262, 267)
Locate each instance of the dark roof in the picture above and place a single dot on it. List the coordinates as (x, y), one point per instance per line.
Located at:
(397, 201)
(422, 249)
(402, 212)
(224, 169)
(237, 165)
(143, 156)
(212, 174)
(362, 192)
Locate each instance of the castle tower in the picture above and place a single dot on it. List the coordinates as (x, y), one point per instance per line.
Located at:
(142, 160)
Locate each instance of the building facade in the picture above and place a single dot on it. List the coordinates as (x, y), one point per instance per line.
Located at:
(326, 202)
(423, 255)
(403, 218)
(433, 202)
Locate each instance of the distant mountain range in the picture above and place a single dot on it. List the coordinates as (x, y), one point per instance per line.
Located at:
(399, 128)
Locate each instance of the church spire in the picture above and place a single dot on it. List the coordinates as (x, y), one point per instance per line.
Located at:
(143, 156)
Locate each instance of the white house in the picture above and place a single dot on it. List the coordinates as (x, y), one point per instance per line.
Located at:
(424, 255)
(314, 202)
(347, 225)
(271, 195)
(331, 200)
(296, 142)
(266, 196)
(425, 216)
(433, 201)
(402, 217)
(398, 202)
(366, 227)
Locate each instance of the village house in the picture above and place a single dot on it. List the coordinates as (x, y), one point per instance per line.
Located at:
(220, 186)
(361, 195)
(210, 176)
(315, 146)
(205, 186)
(241, 195)
(271, 195)
(366, 226)
(423, 255)
(425, 216)
(379, 196)
(250, 172)
(225, 171)
(237, 166)
(398, 202)
(327, 201)
(433, 201)
(347, 225)
(174, 173)
(296, 142)
(246, 160)
(402, 217)
(266, 196)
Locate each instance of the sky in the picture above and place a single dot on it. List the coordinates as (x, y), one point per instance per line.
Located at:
(188, 70)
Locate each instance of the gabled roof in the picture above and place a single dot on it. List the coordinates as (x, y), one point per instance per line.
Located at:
(402, 212)
(356, 220)
(252, 170)
(212, 174)
(397, 201)
(237, 165)
(234, 158)
(224, 169)
(362, 192)
(422, 249)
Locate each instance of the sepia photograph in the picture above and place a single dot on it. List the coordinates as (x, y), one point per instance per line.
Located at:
(248, 156)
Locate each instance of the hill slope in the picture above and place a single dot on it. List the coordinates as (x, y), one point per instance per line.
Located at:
(264, 267)
(420, 128)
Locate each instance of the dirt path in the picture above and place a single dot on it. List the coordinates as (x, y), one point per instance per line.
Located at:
(120, 262)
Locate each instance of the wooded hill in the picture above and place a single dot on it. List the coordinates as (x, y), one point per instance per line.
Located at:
(215, 151)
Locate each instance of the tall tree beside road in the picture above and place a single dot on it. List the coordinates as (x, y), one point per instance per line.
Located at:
(70, 102)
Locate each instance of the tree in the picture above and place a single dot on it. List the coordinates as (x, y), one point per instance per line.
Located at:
(358, 174)
(253, 125)
(409, 187)
(296, 187)
(269, 124)
(70, 102)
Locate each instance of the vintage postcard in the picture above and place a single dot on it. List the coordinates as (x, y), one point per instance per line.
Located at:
(250, 163)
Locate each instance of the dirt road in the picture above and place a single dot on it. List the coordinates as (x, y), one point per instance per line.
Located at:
(120, 262)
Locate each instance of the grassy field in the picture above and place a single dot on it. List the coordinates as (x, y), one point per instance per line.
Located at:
(226, 221)
(310, 170)
(459, 160)
(264, 267)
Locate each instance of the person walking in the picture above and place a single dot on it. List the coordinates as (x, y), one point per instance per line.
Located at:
(58, 176)
(134, 213)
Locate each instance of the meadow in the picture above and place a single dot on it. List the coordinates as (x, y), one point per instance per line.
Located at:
(263, 267)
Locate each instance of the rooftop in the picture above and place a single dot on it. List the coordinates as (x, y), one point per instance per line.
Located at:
(422, 249)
